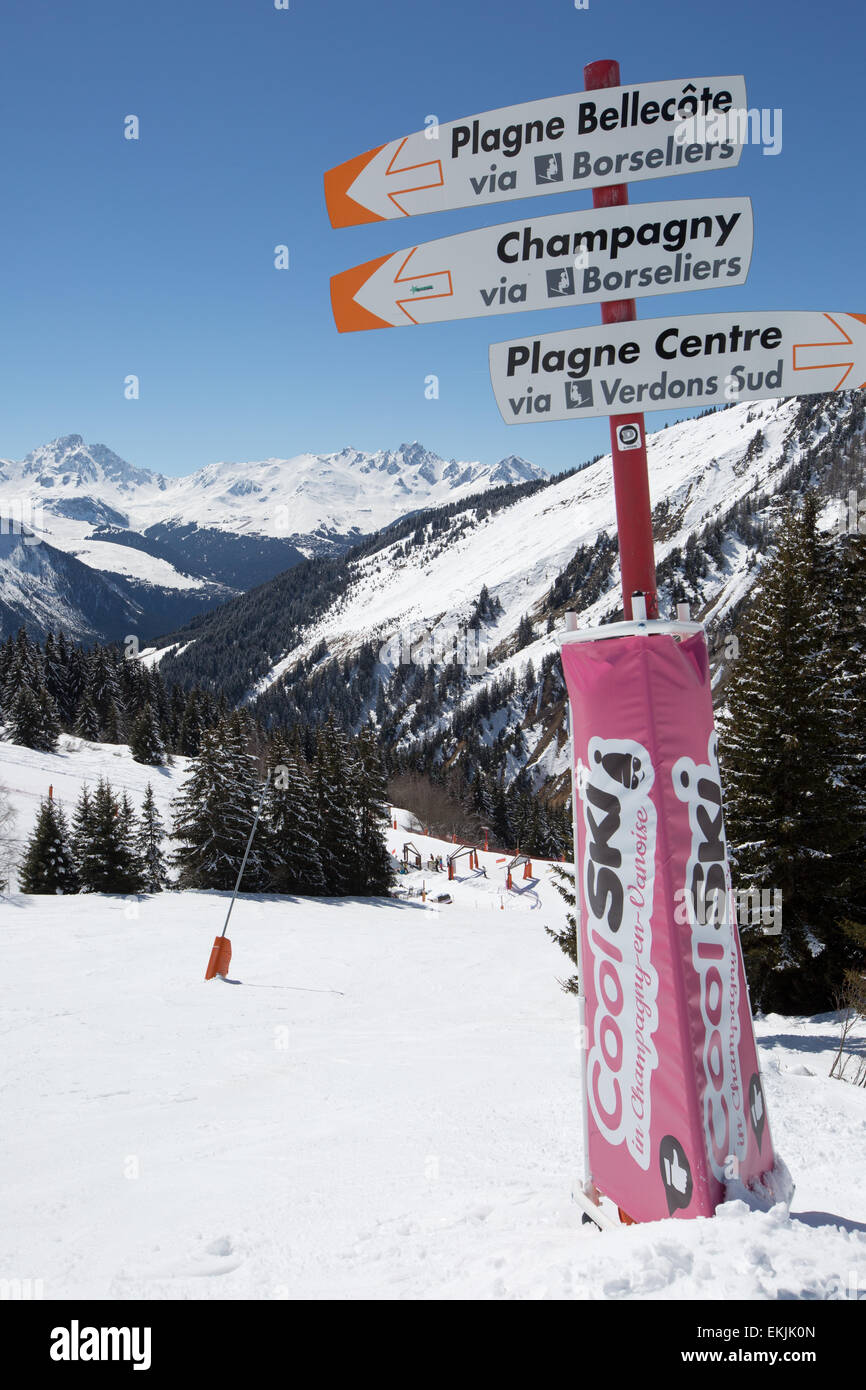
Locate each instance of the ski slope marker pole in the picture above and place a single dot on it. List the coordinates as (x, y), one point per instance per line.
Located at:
(221, 952)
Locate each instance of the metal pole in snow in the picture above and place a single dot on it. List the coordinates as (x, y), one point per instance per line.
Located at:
(247, 852)
(588, 1185)
(627, 432)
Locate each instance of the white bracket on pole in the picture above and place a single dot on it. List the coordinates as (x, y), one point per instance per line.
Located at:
(646, 627)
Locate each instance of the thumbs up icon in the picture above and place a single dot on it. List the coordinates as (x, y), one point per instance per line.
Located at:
(675, 1172)
(757, 1108)
(677, 1175)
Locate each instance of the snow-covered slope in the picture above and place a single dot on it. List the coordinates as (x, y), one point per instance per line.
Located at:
(406, 598)
(698, 470)
(46, 588)
(383, 1102)
(695, 467)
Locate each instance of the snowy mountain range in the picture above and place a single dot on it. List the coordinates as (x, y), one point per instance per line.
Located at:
(162, 549)
(361, 640)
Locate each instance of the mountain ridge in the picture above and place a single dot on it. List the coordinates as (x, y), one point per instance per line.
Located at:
(227, 525)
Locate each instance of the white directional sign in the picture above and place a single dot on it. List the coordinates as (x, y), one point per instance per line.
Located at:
(584, 140)
(653, 364)
(570, 258)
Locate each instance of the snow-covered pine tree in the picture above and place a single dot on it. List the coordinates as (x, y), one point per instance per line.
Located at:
(335, 811)
(482, 798)
(130, 840)
(846, 582)
(154, 872)
(48, 865)
(376, 873)
(145, 739)
(106, 859)
(503, 831)
(290, 813)
(82, 824)
(104, 683)
(192, 726)
(213, 816)
(22, 667)
(74, 668)
(566, 937)
(114, 727)
(31, 719)
(54, 671)
(791, 818)
(86, 718)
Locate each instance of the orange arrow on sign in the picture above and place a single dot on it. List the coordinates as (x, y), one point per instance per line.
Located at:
(845, 341)
(357, 175)
(343, 210)
(351, 316)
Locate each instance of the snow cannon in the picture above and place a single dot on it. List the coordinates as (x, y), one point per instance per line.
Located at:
(220, 958)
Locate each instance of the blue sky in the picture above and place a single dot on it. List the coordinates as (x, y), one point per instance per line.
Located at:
(155, 257)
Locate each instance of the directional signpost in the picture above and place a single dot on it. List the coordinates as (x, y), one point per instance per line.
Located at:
(674, 1106)
(558, 145)
(564, 260)
(699, 360)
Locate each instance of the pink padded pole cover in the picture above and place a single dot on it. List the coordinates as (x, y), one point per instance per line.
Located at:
(674, 1092)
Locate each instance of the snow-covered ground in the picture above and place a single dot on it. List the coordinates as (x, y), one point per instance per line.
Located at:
(382, 1103)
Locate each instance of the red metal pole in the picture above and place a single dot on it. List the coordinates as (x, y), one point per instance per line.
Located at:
(630, 473)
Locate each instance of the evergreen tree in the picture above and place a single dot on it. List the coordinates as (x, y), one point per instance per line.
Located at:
(114, 727)
(151, 835)
(337, 830)
(48, 865)
(107, 859)
(86, 716)
(845, 580)
(145, 740)
(792, 819)
(104, 688)
(500, 822)
(82, 824)
(213, 816)
(32, 719)
(22, 669)
(290, 812)
(376, 873)
(566, 937)
(130, 840)
(192, 727)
